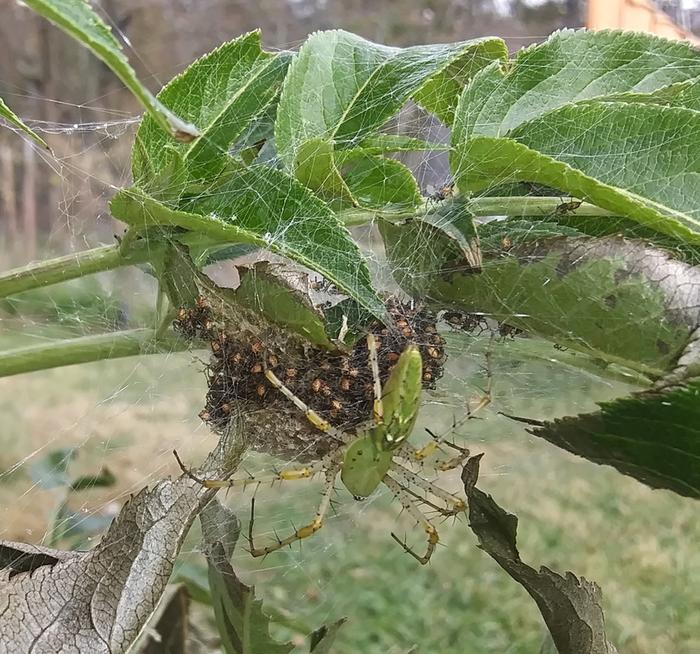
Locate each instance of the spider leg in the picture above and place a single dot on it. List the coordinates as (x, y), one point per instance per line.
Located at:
(292, 474)
(419, 455)
(408, 503)
(456, 503)
(313, 417)
(378, 407)
(306, 530)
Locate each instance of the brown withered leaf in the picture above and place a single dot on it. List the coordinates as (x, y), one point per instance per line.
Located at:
(571, 606)
(98, 601)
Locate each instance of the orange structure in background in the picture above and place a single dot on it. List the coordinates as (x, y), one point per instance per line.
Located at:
(639, 15)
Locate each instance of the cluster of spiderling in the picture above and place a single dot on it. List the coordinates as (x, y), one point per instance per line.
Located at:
(337, 385)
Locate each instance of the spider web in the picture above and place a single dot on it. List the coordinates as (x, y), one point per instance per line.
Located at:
(129, 414)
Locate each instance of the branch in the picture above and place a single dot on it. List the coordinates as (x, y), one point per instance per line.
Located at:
(86, 349)
(517, 205)
(70, 266)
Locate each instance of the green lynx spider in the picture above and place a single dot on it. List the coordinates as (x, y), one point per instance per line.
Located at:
(368, 457)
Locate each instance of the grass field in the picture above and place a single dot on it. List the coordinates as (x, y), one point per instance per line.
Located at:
(640, 545)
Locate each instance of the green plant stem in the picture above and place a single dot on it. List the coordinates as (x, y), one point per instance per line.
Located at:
(488, 206)
(85, 349)
(70, 266)
(108, 257)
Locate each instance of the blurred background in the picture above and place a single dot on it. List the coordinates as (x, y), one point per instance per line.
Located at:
(120, 420)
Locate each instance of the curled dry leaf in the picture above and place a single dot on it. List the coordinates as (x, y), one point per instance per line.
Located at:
(98, 601)
(167, 631)
(571, 606)
(243, 626)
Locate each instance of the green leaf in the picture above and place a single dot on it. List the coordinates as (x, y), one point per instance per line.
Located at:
(653, 436)
(203, 256)
(570, 66)
(419, 254)
(242, 625)
(322, 639)
(280, 303)
(103, 479)
(224, 93)
(441, 93)
(77, 18)
(316, 168)
(573, 225)
(14, 119)
(380, 183)
(674, 95)
(383, 143)
(571, 607)
(690, 96)
(455, 221)
(51, 471)
(432, 246)
(267, 208)
(636, 160)
(349, 320)
(498, 236)
(618, 300)
(341, 89)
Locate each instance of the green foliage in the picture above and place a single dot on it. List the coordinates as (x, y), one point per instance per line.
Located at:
(243, 626)
(570, 67)
(264, 292)
(282, 223)
(77, 18)
(341, 89)
(635, 159)
(223, 93)
(652, 436)
(14, 120)
(607, 297)
(285, 148)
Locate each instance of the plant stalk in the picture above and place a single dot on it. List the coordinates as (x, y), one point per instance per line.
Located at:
(85, 349)
(70, 266)
(108, 257)
(488, 206)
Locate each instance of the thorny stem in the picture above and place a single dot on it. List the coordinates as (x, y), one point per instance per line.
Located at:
(86, 349)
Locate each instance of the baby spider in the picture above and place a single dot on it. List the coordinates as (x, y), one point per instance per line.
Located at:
(376, 453)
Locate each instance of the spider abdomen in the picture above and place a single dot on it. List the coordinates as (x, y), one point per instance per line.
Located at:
(364, 467)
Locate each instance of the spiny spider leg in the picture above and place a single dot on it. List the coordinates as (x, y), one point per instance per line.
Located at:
(306, 530)
(408, 503)
(450, 464)
(410, 453)
(313, 417)
(457, 504)
(378, 407)
(422, 500)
